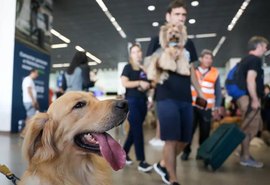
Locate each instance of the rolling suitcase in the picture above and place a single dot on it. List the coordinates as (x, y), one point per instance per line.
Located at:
(217, 148)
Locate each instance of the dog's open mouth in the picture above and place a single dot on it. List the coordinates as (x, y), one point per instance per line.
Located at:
(103, 144)
(173, 42)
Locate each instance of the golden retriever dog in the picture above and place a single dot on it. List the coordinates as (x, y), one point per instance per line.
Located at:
(68, 145)
(172, 56)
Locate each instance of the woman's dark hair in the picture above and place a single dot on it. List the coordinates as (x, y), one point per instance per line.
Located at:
(79, 58)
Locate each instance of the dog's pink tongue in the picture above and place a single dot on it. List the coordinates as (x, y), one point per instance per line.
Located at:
(111, 150)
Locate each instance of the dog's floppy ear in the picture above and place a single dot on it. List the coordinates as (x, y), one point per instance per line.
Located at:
(184, 37)
(163, 36)
(38, 143)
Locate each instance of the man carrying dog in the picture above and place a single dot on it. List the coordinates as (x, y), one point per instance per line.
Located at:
(208, 78)
(174, 102)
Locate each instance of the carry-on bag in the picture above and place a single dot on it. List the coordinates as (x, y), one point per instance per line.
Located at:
(217, 148)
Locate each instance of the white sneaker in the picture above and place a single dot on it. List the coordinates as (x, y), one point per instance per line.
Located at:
(251, 163)
(128, 161)
(151, 141)
(159, 142)
(156, 142)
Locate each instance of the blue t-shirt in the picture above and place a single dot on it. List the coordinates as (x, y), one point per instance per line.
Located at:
(134, 75)
(176, 86)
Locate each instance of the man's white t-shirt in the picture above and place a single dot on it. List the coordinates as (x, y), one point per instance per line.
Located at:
(28, 82)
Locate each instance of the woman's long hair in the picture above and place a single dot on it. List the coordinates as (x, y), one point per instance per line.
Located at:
(134, 65)
(79, 58)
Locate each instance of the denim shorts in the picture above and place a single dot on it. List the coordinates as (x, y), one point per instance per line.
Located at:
(175, 119)
(30, 110)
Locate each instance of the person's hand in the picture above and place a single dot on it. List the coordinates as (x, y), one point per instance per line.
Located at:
(35, 105)
(172, 51)
(216, 115)
(201, 95)
(201, 103)
(255, 104)
(143, 85)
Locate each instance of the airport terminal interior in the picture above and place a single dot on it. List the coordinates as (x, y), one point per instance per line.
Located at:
(46, 35)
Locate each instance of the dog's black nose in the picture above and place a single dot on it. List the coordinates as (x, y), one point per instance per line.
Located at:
(122, 104)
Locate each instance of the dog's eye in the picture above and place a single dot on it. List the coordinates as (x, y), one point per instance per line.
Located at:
(79, 105)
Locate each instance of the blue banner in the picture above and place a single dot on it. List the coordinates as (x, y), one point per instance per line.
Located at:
(25, 59)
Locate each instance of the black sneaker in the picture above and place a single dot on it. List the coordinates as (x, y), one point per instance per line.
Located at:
(128, 160)
(162, 171)
(185, 156)
(144, 167)
(166, 179)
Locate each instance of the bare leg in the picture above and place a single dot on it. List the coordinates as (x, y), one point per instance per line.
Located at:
(169, 153)
(180, 147)
(245, 148)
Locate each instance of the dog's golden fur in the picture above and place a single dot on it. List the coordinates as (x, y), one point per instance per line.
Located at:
(168, 58)
(49, 147)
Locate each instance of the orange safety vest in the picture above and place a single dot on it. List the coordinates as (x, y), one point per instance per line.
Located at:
(207, 83)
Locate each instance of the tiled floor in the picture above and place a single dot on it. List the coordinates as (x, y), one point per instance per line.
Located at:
(190, 172)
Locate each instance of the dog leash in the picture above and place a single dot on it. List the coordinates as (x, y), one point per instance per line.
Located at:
(5, 171)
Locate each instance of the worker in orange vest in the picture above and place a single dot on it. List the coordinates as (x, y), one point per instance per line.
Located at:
(208, 78)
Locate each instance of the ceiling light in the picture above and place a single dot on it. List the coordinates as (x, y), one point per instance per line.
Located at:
(192, 21)
(122, 33)
(191, 36)
(221, 41)
(88, 54)
(97, 60)
(244, 5)
(238, 15)
(230, 27)
(206, 35)
(92, 63)
(194, 3)
(145, 39)
(151, 8)
(79, 48)
(60, 36)
(111, 18)
(60, 65)
(102, 5)
(54, 46)
(155, 24)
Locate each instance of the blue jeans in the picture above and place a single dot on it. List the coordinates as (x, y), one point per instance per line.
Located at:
(137, 113)
(30, 110)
